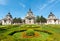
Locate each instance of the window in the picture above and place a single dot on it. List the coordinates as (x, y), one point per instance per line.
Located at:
(29, 18)
(29, 21)
(55, 20)
(5, 21)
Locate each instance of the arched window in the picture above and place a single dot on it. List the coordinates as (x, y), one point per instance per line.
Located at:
(29, 18)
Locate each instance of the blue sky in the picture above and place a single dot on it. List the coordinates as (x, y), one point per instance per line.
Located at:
(19, 8)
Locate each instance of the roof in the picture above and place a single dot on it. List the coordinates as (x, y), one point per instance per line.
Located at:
(9, 15)
(30, 14)
(51, 14)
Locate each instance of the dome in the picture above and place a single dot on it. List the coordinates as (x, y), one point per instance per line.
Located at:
(51, 16)
(30, 14)
(9, 15)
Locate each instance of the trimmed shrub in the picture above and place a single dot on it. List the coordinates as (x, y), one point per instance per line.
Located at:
(30, 32)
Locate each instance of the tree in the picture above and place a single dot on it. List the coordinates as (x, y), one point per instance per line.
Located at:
(17, 20)
(38, 19)
(43, 20)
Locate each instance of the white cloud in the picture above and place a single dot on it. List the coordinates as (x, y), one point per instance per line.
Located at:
(46, 4)
(22, 5)
(43, 6)
(52, 5)
(3, 2)
(50, 1)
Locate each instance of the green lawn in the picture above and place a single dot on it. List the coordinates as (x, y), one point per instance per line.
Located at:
(15, 32)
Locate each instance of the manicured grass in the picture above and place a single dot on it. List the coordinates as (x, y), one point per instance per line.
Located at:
(16, 32)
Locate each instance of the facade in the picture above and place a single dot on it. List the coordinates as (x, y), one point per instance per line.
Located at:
(52, 19)
(7, 20)
(0, 22)
(30, 18)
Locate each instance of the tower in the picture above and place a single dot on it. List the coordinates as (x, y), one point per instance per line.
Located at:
(30, 18)
(52, 19)
(7, 20)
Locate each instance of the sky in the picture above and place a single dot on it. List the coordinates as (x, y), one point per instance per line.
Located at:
(19, 8)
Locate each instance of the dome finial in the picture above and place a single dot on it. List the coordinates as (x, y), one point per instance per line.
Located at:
(50, 12)
(29, 9)
(9, 15)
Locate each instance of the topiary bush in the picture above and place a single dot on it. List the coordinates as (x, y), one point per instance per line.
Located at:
(30, 32)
